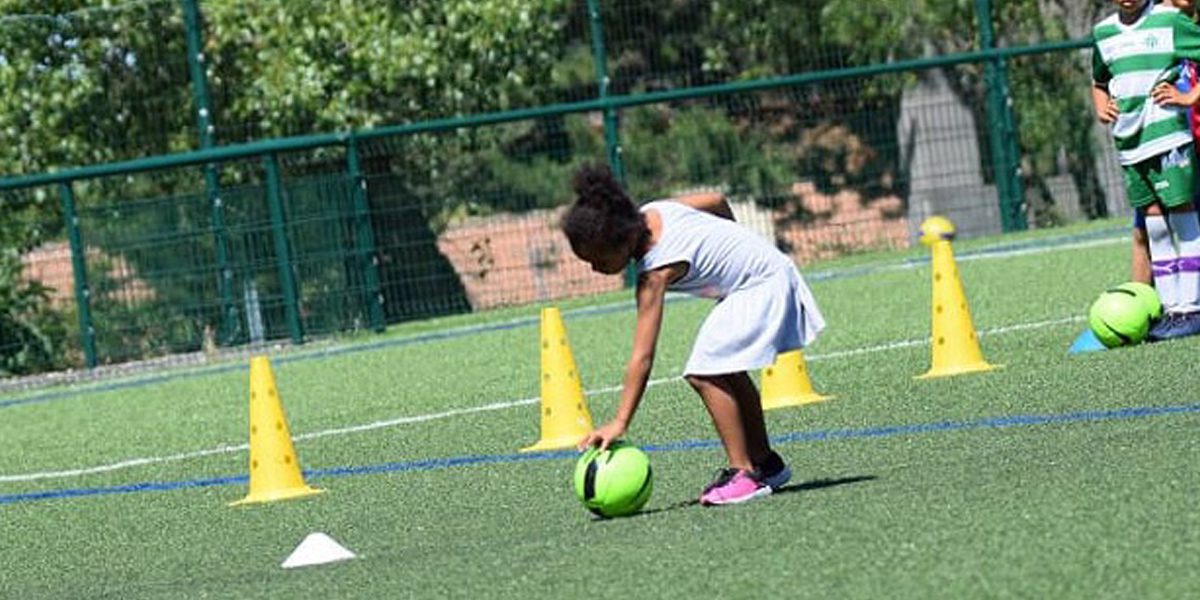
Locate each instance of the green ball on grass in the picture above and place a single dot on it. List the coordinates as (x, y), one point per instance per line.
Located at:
(614, 482)
(1120, 317)
(1147, 295)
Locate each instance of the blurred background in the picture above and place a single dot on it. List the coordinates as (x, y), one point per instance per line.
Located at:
(181, 177)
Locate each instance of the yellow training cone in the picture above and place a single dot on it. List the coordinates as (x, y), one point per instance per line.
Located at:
(955, 347)
(274, 467)
(786, 382)
(565, 417)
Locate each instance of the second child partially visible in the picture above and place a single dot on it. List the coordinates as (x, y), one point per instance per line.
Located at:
(1137, 53)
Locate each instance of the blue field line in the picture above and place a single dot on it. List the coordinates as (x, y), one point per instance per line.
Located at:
(1005, 422)
(532, 321)
(132, 488)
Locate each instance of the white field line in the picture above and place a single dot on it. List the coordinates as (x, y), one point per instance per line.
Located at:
(979, 255)
(925, 341)
(138, 462)
(125, 464)
(1042, 249)
(815, 276)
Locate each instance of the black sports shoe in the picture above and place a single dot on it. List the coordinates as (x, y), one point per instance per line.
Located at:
(773, 471)
(1175, 325)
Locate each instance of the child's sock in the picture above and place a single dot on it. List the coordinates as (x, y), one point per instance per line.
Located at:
(1164, 261)
(1186, 226)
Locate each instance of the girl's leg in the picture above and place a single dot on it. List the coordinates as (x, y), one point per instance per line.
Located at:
(1164, 256)
(720, 398)
(1141, 257)
(1186, 227)
(753, 423)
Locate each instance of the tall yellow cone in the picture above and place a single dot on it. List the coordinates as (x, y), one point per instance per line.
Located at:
(565, 417)
(786, 382)
(274, 467)
(955, 347)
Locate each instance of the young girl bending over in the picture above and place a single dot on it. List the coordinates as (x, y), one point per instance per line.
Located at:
(763, 307)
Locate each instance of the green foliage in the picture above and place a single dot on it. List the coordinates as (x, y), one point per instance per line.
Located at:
(31, 335)
(152, 253)
(31, 332)
(297, 67)
(761, 38)
(127, 331)
(669, 148)
(80, 85)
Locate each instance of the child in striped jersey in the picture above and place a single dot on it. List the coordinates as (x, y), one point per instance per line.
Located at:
(1186, 94)
(1136, 50)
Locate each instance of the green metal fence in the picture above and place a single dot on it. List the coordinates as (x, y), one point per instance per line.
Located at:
(249, 172)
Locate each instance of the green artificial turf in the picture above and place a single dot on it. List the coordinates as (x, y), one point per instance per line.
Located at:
(1054, 476)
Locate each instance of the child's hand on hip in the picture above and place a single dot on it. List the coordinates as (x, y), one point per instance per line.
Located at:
(1165, 94)
(1109, 113)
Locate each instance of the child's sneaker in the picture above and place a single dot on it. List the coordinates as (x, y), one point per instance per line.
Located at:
(773, 471)
(1175, 325)
(1163, 329)
(733, 486)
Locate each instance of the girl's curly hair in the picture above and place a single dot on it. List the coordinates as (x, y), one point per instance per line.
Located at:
(602, 213)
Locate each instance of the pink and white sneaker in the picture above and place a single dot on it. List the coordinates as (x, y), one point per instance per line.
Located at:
(733, 486)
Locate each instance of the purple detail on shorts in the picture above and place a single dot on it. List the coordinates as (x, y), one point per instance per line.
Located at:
(1162, 268)
(1189, 264)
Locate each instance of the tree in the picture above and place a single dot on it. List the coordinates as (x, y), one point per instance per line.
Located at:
(284, 68)
(32, 335)
(280, 67)
(83, 85)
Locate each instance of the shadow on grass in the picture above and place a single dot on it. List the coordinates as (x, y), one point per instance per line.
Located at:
(806, 486)
(818, 484)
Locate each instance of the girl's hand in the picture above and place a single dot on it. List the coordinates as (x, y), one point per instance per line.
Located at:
(1165, 94)
(602, 436)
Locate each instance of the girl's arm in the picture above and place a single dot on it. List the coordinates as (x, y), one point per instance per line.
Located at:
(651, 292)
(711, 202)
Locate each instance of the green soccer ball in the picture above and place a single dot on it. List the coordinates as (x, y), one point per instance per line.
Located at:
(1119, 318)
(1147, 295)
(615, 482)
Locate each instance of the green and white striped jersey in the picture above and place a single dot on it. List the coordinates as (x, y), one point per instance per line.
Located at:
(1130, 60)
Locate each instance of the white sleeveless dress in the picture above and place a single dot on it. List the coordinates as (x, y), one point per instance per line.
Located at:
(763, 305)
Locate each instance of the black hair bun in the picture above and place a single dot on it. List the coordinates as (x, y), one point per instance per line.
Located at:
(595, 186)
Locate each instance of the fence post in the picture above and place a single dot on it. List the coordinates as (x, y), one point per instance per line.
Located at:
(612, 124)
(283, 253)
(83, 295)
(1002, 130)
(612, 133)
(363, 236)
(212, 183)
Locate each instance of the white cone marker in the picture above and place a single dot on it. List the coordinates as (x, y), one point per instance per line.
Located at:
(317, 549)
